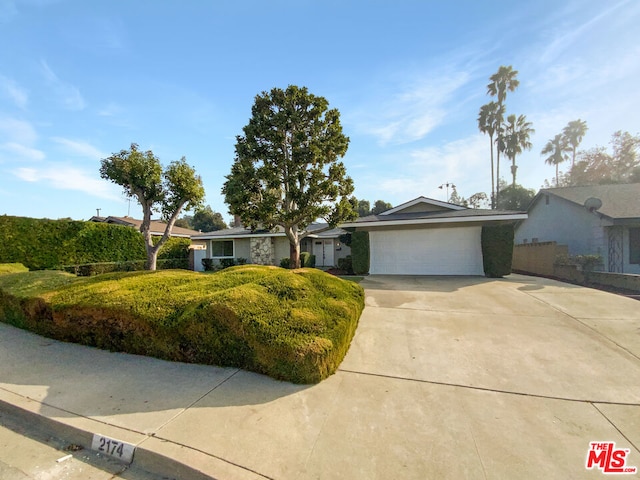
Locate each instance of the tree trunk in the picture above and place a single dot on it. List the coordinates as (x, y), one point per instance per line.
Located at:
(152, 258)
(294, 245)
(514, 169)
(294, 255)
(493, 185)
(498, 172)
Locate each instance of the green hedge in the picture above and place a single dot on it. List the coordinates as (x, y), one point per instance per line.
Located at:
(360, 252)
(89, 269)
(293, 325)
(497, 249)
(49, 244)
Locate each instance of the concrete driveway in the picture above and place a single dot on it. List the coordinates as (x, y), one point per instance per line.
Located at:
(458, 378)
(508, 378)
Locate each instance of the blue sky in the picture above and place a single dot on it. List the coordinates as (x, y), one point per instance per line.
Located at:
(81, 79)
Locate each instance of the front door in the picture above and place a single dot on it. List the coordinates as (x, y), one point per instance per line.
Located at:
(323, 250)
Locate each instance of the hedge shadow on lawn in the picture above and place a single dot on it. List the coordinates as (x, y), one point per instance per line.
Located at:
(291, 325)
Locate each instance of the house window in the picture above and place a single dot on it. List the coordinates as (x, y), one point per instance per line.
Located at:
(634, 245)
(221, 248)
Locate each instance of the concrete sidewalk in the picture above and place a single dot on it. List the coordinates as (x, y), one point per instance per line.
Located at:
(446, 378)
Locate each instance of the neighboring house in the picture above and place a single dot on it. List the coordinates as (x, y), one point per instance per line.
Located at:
(266, 247)
(601, 219)
(429, 237)
(157, 228)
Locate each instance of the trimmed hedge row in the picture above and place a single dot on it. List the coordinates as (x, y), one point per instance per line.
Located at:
(360, 252)
(497, 249)
(293, 325)
(48, 244)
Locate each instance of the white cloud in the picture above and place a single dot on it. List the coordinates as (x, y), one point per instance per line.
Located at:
(67, 94)
(23, 151)
(13, 91)
(80, 148)
(569, 37)
(410, 110)
(19, 131)
(464, 163)
(65, 177)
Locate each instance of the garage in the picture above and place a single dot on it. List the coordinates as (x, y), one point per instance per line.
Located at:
(426, 251)
(429, 237)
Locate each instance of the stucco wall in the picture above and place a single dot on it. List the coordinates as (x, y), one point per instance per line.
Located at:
(565, 223)
(281, 249)
(242, 248)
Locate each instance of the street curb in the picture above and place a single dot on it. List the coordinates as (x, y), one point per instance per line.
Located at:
(143, 459)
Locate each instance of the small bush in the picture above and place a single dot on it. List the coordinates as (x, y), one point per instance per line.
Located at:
(227, 262)
(292, 325)
(285, 262)
(208, 265)
(360, 252)
(346, 265)
(307, 260)
(12, 268)
(497, 249)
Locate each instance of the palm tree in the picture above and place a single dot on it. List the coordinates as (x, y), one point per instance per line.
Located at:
(489, 120)
(516, 139)
(556, 149)
(573, 133)
(502, 81)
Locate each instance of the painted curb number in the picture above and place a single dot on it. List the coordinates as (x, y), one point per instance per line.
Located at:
(114, 448)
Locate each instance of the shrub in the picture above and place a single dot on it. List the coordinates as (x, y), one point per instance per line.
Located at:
(227, 262)
(292, 325)
(285, 262)
(346, 265)
(208, 265)
(497, 249)
(360, 252)
(307, 260)
(12, 268)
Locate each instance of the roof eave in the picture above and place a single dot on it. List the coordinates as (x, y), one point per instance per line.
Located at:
(433, 221)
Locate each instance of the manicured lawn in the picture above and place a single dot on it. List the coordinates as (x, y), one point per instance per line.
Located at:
(293, 325)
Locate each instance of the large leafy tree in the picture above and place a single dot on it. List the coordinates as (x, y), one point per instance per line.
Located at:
(516, 197)
(206, 220)
(167, 191)
(517, 137)
(556, 149)
(598, 166)
(503, 81)
(380, 206)
(364, 208)
(490, 119)
(286, 171)
(573, 134)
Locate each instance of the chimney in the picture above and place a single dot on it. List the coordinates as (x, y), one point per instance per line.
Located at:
(236, 221)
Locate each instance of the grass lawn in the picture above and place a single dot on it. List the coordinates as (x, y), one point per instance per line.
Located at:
(293, 325)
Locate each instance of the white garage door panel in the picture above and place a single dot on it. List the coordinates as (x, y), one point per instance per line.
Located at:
(437, 251)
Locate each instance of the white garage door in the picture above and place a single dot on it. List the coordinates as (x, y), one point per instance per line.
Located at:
(429, 251)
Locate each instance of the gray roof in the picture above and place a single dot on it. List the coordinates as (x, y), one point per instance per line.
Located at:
(239, 232)
(618, 201)
(468, 212)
